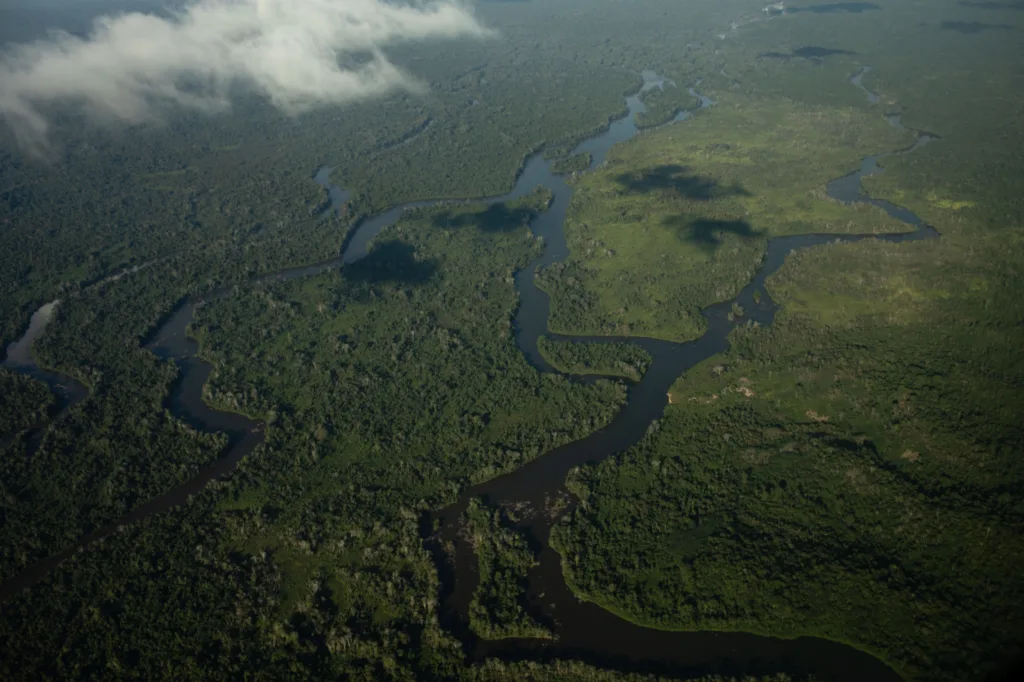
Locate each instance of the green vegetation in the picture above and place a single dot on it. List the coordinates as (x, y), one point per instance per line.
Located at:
(98, 462)
(95, 465)
(572, 164)
(214, 201)
(663, 104)
(23, 402)
(210, 181)
(606, 359)
(573, 671)
(677, 218)
(388, 387)
(656, 117)
(962, 87)
(417, 334)
(242, 181)
(841, 480)
(851, 472)
(505, 558)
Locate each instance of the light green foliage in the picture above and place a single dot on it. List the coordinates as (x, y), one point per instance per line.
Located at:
(844, 473)
(962, 85)
(606, 359)
(851, 472)
(934, 316)
(677, 218)
(663, 104)
(505, 558)
(572, 164)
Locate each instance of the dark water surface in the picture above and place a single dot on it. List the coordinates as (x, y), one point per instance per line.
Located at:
(19, 359)
(584, 631)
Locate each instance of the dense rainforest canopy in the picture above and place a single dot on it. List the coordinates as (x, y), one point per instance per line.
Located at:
(844, 472)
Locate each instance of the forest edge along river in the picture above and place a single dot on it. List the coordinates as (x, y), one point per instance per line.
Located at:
(583, 630)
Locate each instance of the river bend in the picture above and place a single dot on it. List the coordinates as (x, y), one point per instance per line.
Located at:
(584, 630)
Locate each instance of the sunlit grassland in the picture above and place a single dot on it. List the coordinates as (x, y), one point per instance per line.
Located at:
(853, 471)
(850, 472)
(964, 87)
(678, 218)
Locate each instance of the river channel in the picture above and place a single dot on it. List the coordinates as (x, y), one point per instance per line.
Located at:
(584, 630)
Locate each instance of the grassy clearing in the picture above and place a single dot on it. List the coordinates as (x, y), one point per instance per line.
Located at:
(678, 217)
(852, 472)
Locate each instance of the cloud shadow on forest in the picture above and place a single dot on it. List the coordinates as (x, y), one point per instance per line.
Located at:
(812, 52)
(836, 7)
(987, 4)
(680, 181)
(972, 27)
(709, 233)
(494, 218)
(392, 261)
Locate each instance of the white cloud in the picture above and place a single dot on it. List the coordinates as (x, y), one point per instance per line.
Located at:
(286, 49)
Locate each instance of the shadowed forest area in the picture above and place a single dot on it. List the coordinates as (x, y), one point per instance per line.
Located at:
(678, 181)
(498, 217)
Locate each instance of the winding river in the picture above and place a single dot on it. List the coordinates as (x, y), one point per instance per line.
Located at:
(584, 630)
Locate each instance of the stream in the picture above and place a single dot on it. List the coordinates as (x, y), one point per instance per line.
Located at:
(584, 630)
(19, 359)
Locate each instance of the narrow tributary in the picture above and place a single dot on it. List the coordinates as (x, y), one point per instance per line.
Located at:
(584, 630)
